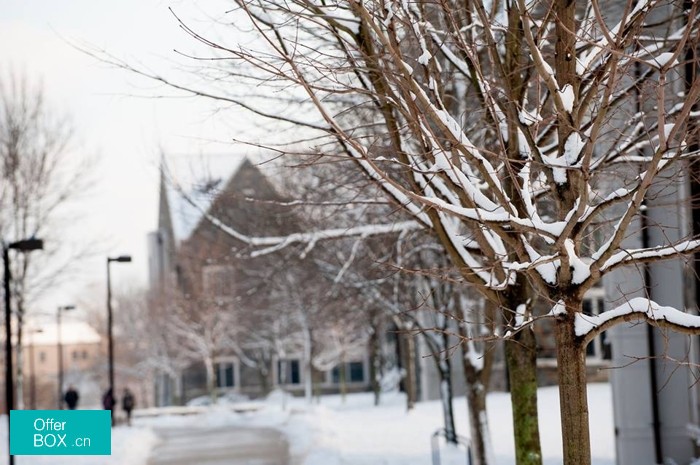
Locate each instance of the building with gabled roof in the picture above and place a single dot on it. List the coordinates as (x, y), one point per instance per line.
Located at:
(205, 266)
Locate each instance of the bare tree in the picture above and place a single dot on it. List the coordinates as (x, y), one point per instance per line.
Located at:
(263, 336)
(341, 336)
(523, 208)
(510, 130)
(162, 353)
(37, 180)
(203, 328)
(143, 349)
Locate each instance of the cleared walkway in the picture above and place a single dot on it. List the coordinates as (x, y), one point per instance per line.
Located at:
(220, 446)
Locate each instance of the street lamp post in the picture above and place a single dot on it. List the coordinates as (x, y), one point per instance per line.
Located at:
(110, 341)
(26, 245)
(60, 352)
(32, 380)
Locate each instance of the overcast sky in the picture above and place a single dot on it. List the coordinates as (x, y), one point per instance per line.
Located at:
(125, 133)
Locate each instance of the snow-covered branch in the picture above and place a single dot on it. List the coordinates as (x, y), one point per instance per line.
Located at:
(625, 257)
(269, 244)
(637, 309)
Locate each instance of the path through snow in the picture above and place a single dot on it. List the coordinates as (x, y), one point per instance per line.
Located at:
(221, 445)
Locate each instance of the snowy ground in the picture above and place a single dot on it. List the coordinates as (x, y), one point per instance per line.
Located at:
(358, 434)
(355, 432)
(130, 446)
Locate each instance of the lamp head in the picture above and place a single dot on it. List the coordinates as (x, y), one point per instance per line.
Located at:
(27, 245)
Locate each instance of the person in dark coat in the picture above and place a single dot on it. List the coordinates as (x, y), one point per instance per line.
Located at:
(108, 402)
(128, 403)
(71, 398)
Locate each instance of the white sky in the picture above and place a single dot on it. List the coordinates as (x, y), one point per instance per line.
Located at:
(125, 133)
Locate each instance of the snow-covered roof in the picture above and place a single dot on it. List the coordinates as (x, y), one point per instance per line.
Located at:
(72, 332)
(201, 178)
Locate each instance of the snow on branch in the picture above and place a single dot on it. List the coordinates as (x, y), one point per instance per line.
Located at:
(542, 67)
(625, 257)
(636, 309)
(510, 155)
(270, 244)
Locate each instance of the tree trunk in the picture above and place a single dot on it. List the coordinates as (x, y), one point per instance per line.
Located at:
(160, 389)
(408, 359)
(479, 425)
(317, 380)
(477, 378)
(573, 401)
(179, 390)
(375, 364)
(282, 377)
(211, 381)
(341, 378)
(438, 346)
(446, 396)
(477, 382)
(264, 375)
(521, 360)
(308, 369)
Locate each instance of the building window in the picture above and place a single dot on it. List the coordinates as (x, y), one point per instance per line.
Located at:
(357, 372)
(225, 374)
(594, 304)
(354, 373)
(288, 372)
(75, 355)
(335, 375)
(85, 355)
(42, 357)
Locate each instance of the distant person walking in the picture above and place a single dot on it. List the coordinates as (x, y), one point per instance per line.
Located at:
(108, 402)
(128, 403)
(71, 398)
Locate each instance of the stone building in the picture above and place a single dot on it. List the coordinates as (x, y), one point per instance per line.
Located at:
(194, 259)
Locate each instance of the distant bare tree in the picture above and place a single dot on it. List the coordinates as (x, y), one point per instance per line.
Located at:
(36, 180)
(202, 325)
(142, 348)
